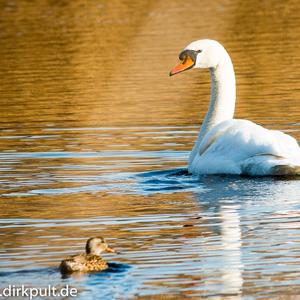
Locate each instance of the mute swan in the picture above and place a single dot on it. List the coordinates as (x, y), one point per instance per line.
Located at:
(231, 146)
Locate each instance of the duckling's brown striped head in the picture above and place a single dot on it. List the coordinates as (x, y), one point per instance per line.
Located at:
(97, 245)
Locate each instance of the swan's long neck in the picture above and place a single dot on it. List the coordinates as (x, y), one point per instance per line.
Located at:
(222, 101)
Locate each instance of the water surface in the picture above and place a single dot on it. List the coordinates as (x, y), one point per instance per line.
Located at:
(95, 137)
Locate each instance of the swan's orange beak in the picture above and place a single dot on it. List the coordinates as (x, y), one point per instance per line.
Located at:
(186, 64)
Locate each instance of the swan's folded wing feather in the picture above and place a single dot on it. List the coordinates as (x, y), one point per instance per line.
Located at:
(229, 145)
(244, 139)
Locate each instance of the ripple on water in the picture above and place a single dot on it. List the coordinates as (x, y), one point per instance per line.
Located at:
(88, 147)
(203, 235)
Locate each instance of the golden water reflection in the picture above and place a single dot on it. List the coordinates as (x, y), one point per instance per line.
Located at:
(91, 125)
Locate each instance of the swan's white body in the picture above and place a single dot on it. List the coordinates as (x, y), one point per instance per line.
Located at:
(243, 147)
(230, 146)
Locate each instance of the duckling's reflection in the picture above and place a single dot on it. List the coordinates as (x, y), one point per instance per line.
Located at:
(232, 266)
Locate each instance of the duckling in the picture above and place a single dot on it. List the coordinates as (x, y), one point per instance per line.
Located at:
(90, 261)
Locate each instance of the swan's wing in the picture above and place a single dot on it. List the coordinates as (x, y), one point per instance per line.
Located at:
(229, 145)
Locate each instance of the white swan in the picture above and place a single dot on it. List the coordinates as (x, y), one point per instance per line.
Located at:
(231, 146)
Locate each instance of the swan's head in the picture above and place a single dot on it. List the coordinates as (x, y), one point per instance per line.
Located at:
(200, 54)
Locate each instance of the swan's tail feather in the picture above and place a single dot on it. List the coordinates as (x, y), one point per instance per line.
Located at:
(268, 164)
(285, 170)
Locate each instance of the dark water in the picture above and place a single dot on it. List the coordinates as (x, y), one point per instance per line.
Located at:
(95, 137)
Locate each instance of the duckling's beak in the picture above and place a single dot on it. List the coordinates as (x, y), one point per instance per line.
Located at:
(186, 64)
(110, 250)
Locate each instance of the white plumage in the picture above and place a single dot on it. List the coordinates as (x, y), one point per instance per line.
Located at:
(231, 146)
(243, 147)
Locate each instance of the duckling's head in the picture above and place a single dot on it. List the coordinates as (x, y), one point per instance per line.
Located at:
(97, 245)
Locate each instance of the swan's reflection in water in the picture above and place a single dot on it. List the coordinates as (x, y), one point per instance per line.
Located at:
(231, 243)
